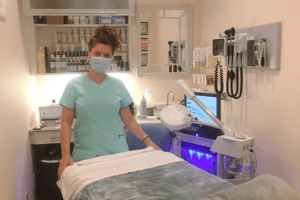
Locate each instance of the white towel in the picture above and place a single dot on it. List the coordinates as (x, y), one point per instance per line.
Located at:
(82, 173)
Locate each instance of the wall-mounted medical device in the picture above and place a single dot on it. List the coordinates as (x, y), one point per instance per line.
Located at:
(243, 40)
(219, 47)
(268, 39)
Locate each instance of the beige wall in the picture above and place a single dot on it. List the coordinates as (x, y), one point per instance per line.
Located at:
(269, 107)
(15, 108)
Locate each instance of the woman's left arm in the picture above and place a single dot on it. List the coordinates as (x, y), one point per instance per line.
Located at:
(135, 128)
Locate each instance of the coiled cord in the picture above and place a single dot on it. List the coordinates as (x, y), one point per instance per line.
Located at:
(221, 78)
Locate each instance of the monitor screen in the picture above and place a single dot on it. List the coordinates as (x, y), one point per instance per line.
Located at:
(211, 101)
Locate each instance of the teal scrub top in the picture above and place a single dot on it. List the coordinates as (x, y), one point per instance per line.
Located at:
(98, 125)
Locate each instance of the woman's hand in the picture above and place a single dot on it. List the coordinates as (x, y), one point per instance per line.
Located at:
(65, 162)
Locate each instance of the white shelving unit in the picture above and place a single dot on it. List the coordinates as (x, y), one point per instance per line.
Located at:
(87, 7)
(43, 34)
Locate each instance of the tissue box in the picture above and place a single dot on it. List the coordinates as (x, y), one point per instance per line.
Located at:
(55, 20)
(118, 20)
(104, 20)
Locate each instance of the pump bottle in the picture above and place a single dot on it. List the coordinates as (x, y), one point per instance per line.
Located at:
(52, 64)
(143, 107)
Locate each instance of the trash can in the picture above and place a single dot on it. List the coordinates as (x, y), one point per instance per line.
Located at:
(47, 188)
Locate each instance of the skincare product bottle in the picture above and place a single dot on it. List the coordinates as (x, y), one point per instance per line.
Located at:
(58, 33)
(119, 66)
(127, 66)
(64, 63)
(150, 105)
(47, 60)
(41, 62)
(143, 107)
(123, 66)
(58, 64)
(52, 64)
(87, 66)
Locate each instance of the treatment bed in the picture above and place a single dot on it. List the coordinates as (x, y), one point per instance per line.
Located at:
(144, 173)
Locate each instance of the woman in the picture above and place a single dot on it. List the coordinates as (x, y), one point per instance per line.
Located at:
(100, 104)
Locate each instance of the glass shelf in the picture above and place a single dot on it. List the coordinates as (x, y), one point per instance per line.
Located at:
(78, 25)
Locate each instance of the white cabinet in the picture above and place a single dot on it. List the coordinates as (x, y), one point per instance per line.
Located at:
(58, 7)
(74, 21)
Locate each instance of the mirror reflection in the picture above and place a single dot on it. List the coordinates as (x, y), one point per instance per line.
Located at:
(164, 41)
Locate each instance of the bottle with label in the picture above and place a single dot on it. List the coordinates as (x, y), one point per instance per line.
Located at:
(52, 64)
(64, 63)
(58, 33)
(119, 66)
(143, 108)
(58, 64)
(87, 66)
(47, 60)
(41, 62)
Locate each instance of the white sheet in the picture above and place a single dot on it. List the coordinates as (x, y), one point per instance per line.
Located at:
(82, 173)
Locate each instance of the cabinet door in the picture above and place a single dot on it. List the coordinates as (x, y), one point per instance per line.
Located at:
(58, 7)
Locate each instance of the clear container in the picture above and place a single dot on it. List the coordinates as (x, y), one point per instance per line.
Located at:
(123, 39)
(87, 31)
(123, 31)
(75, 30)
(82, 19)
(124, 47)
(76, 38)
(91, 19)
(69, 31)
(70, 38)
(76, 20)
(82, 37)
(64, 38)
(65, 47)
(81, 31)
(88, 38)
(57, 47)
(93, 30)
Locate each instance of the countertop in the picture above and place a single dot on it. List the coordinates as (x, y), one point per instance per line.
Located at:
(57, 127)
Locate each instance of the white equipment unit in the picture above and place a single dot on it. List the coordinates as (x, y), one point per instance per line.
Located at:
(49, 115)
(231, 147)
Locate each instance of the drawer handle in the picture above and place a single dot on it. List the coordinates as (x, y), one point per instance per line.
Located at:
(55, 138)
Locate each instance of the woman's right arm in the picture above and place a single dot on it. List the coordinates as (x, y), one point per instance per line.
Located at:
(65, 138)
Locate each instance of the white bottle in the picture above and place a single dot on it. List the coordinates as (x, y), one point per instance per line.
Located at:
(150, 106)
(143, 107)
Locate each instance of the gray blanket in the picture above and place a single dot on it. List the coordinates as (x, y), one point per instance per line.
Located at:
(264, 187)
(180, 180)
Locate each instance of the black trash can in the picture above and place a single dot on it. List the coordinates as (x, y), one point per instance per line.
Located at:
(47, 188)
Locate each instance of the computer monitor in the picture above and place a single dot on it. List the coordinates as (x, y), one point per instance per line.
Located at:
(211, 101)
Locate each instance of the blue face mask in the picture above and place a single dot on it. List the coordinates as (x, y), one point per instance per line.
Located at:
(100, 64)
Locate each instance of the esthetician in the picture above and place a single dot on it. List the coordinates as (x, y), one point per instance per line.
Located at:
(99, 103)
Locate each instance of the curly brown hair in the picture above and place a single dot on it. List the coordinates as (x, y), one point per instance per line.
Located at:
(106, 35)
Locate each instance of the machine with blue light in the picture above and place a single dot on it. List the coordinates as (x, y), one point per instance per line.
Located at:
(211, 146)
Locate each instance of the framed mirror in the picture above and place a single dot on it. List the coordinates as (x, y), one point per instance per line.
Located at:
(164, 40)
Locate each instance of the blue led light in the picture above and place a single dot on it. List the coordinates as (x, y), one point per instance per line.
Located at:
(197, 135)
